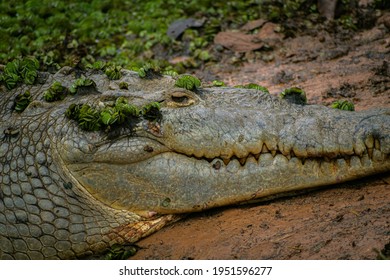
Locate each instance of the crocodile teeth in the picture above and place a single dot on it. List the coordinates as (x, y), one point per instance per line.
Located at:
(370, 152)
(273, 153)
(198, 154)
(257, 156)
(226, 161)
(377, 144)
(264, 149)
(369, 142)
(242, 161)
(359, 148)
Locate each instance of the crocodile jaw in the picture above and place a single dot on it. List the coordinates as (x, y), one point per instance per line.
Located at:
(155, 184)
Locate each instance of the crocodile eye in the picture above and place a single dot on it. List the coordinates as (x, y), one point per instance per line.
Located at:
(180, 99)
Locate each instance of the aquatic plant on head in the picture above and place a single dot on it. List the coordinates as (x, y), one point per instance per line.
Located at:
(20, 70)
(188, 82)
(55, 92)
(253, 86)
(343, 105)
(294, 95)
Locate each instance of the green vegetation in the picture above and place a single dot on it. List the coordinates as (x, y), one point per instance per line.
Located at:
(148, 71)
(113, 115)
(343, 105)
(282, 10)
(171, 73)
(79, 83)
(253, 86)
(123, 85)
(20, 70)
(130, 33)
(55, 92)
(188, 82)
(217, 83)
(87, 117)
(22, 100)
(294, 95)
(120, 252)
(124, 32)
(97, 65)
(151, 111)
(127, 33)
(113, 72)
(118, 113)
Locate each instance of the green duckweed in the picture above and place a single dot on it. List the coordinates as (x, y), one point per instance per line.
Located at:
(217, 83)
(113, 115)
(97, 65)
(171, 73)
(188, 82)
(22, 101)
(79, 83)
(55, 92)
(113, 72)
(123, 85)
(20, 70)
(294, 95)
(253, 86)
(343, 105)
(148, 71)
(120, 252)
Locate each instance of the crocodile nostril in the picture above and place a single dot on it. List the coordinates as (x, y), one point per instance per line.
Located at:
(148, 149)
(166, 202)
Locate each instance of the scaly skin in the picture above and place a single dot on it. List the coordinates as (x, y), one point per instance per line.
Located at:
(68, 193)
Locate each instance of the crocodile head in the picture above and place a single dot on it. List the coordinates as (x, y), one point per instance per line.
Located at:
(67, 193)
(215, 146)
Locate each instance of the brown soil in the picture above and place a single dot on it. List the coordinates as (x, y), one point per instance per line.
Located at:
(345, 221)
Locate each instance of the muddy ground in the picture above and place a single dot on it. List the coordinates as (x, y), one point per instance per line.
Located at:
(345, 221)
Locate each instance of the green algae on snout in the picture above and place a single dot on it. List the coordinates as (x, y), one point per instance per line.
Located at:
(113, 72)
(217, 83)
(79, 83)
(22, 100)
(343, 105)
(97, 65)
(149, 70)
(171, 73)
(55, 92)
(253, 86)
(86, 116)
(120, 113)
(151, 111)
(188, 82)
(294, 95)
(20, 70)
(123, 85)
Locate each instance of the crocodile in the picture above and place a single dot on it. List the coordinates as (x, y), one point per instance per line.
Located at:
(69, 193)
